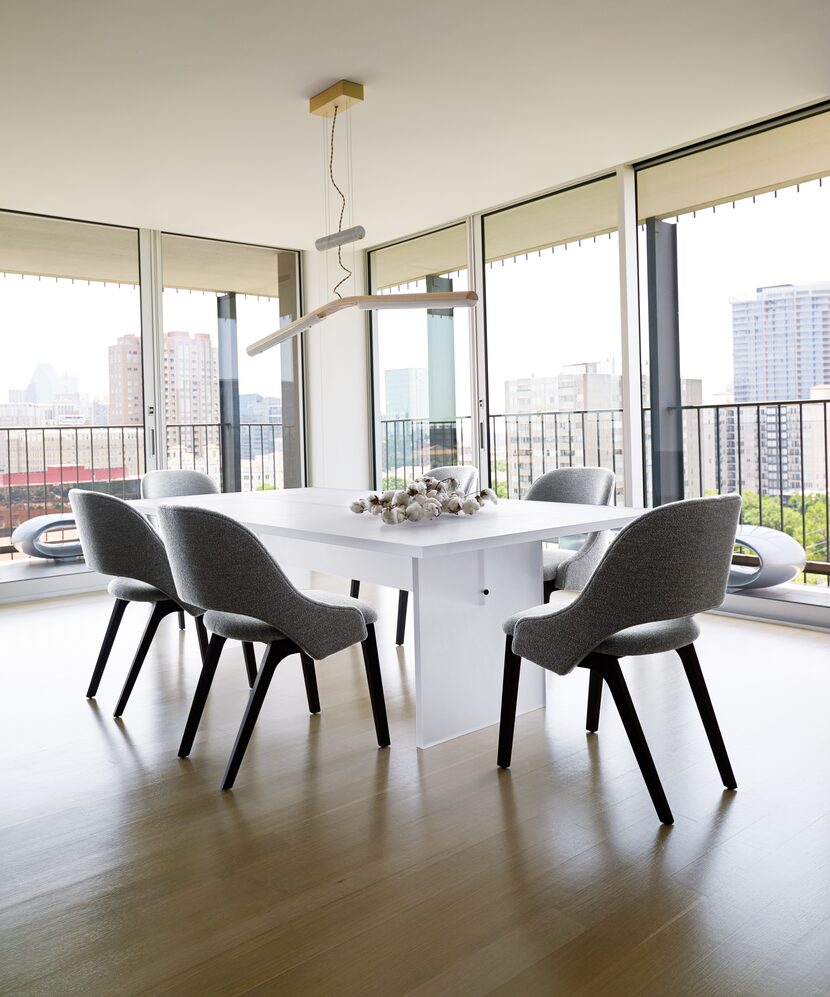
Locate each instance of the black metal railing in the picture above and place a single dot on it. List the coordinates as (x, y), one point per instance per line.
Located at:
(40, 464)
(775, 454)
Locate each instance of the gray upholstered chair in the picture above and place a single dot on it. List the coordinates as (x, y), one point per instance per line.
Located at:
(571, 569)
(118, 540)
(467, 478)
(221, 565)
(661, 569)
(172, 483)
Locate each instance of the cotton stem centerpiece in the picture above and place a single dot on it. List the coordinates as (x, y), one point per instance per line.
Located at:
(424, 498)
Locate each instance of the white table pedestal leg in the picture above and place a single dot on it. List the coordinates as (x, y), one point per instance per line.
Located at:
(459, 643)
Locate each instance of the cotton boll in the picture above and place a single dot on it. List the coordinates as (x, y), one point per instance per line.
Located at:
(470, 507)
(400, 498)
(490, 495)
(433, 509)
(386, 497)
(453, 505)
(376, 510)
(358, 506)
(393, 516)
(452, 484)
(414, 512)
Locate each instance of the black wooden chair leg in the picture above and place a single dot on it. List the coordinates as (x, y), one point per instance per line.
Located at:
(373, 677)
(211, 660)
(201, 634)
(509, 698)
(548, 588)
(403, 600)
(612, 673)
(106, 646)
(273, 656)
(160, 610)
(691, 665)
(354, 589)
(250, 662)
(310, 678)
(594, 701)
(181, 619)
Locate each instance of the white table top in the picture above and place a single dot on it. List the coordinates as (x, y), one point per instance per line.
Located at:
(322, 515)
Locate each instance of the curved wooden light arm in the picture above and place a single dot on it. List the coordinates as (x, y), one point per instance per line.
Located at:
(366, 302)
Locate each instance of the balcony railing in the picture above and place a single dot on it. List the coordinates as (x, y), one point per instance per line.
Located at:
(775, 454)
(39, 465)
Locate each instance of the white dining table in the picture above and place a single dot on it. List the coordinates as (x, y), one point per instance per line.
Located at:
(467, 574)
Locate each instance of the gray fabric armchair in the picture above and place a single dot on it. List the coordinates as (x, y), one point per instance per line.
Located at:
(568, 569)
(467, 478)
(223, 566)
(663, 568)
(117, 540)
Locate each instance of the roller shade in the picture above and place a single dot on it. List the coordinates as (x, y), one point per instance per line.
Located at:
(579, 213)
(782, 156)
(208, 265)
(405, 262)
(52, 247)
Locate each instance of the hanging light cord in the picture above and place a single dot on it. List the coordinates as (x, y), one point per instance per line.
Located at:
(342, 208)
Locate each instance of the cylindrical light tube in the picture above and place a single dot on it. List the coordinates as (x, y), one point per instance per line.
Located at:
(340, 238)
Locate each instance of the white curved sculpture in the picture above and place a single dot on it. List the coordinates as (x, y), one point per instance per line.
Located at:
(27, 537)
(781, 557)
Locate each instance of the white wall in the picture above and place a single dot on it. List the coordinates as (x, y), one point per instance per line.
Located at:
(337, 376)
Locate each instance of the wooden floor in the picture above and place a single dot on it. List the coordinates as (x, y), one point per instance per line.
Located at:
(335, 868)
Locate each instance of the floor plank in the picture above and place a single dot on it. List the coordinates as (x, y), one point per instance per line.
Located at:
(334, 868)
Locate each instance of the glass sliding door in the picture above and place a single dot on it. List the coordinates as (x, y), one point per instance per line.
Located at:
(735, 272)
(235, 417)
(552, 306)
(422, 359)
(71, 390)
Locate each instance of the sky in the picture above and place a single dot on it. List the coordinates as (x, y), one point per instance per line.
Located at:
(543, 312)
(71, 326)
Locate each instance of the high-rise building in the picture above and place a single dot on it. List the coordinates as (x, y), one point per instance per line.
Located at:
(781, 351)
(781, 342)
(191, 380)
(407, 393)
(126, 395)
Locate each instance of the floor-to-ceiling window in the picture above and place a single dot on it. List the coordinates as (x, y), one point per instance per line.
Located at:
(71, 389)
(554, 379)
(735, 307)
(422, 372)
(90, 380)
(233, 416)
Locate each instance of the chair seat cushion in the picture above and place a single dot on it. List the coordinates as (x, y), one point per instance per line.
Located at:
(651, 638)
(133, 590)
(237, 627)
(552, 560)
(646, 638)
(370, 614)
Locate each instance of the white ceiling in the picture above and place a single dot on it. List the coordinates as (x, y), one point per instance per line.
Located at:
(191, 115)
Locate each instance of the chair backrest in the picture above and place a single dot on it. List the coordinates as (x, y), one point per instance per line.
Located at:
(464, 474)
(221, 565)
(581, 485)
(671, 562)
(117, 540)
(174, 482)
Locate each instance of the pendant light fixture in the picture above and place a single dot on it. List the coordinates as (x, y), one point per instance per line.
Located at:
(332, 102)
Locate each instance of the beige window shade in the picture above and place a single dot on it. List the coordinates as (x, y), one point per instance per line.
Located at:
(779, 157)
(579, 213)
(406, 262)
(208, 265)
(52, 247)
